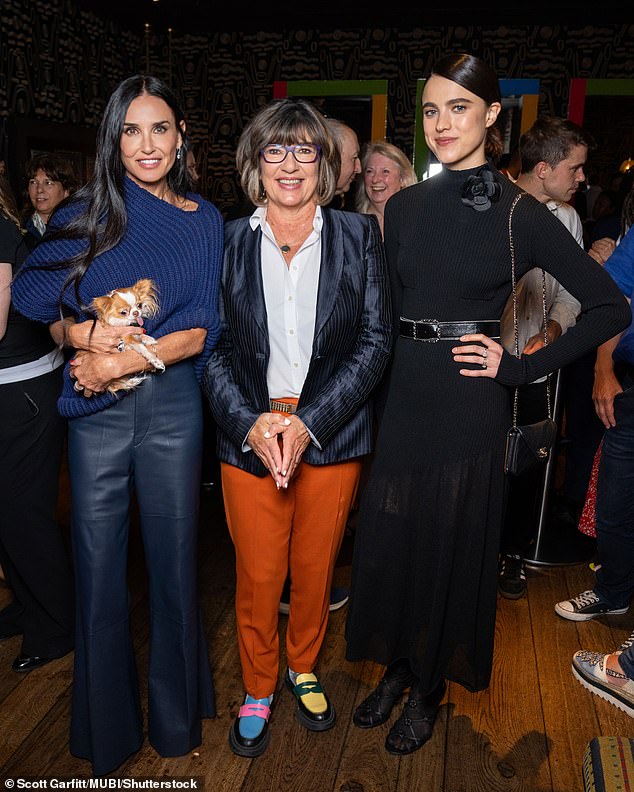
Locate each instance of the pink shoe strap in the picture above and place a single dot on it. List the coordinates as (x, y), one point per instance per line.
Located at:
(254, 710)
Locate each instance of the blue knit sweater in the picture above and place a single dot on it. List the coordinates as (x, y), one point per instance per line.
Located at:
(180, 251)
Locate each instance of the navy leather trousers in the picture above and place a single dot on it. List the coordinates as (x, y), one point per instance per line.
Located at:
(149, 442)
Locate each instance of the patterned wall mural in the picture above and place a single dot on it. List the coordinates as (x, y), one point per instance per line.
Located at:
(58, 65)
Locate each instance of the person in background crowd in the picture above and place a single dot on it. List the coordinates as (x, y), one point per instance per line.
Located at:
(611, 675)
(614, 403)
(386, 170)
(33, 550)
(348, 145)
(553, 154)
(49, 181)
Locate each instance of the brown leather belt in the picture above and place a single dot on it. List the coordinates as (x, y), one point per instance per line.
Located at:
(431, 330)
(279, 406)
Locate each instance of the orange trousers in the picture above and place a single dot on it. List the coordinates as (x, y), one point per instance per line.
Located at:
(274, 532)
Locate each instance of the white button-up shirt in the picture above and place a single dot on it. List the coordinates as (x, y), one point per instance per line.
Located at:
(290, 294)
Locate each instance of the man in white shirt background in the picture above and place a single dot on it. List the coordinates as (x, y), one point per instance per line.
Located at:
(553, 154)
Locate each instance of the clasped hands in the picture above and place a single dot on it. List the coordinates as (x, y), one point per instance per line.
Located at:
(279, 440)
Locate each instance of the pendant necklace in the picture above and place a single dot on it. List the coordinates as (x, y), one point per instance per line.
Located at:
(287, 247)
(292, 244)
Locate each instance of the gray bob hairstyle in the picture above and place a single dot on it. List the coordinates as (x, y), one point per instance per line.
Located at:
(288, 122)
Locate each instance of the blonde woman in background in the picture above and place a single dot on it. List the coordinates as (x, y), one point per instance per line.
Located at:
(386, 170)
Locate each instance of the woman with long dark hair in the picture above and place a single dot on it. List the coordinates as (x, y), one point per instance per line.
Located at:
(136, 219)
(424, 576)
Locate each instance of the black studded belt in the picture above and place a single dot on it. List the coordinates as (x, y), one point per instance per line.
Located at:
(431, 330)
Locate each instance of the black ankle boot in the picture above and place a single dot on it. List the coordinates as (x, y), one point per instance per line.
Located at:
(416, 723)
(376, 708)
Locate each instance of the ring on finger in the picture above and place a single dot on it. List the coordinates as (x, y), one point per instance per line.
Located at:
(484, 363)
(79, 388)
(485, 352)
(120, 345)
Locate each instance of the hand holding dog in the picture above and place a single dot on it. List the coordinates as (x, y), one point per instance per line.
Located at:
(95, 337)
(94, 371)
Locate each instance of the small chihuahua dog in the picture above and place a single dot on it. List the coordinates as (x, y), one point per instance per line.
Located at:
(129, 307)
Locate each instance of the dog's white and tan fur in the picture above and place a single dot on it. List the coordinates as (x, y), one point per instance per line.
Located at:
(127, 307)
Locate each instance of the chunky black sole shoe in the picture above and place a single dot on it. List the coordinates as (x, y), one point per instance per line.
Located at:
(313, 721)
(249, 746)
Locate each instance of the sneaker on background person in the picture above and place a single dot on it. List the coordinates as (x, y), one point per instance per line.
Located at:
(338, 598)
(511, 576)
(609, 676)
(587, 605)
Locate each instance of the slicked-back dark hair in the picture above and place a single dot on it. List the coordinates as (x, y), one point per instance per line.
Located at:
(478, 77)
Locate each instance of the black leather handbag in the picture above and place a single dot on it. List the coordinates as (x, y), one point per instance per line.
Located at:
(529, 445)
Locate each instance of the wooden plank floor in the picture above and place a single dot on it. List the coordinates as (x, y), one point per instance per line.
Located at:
(527, 732)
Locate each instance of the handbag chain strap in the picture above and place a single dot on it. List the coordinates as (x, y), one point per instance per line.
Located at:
(515, 320)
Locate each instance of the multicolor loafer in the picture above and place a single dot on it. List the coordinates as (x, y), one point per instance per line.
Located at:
(591, 669)
(256, 745)
(314, 710)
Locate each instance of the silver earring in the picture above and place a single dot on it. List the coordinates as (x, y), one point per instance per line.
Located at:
(178, 153)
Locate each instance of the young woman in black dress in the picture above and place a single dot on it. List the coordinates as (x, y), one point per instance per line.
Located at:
(424, 574)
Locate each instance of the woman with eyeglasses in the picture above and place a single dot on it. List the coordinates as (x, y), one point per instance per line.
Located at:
(305, 339)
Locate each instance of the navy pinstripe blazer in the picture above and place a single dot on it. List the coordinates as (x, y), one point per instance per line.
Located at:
(351, 346)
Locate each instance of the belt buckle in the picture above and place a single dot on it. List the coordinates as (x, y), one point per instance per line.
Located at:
(282, 407)
(436, 326)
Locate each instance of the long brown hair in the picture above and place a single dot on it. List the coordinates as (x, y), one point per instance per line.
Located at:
(7, 203)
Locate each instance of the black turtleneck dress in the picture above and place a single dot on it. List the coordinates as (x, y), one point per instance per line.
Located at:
(424, 573)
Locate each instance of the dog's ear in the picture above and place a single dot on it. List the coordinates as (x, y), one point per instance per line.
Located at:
(146, 293)
(101, 305)
(145, 289)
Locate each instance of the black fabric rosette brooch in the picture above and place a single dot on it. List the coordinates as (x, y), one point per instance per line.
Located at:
(480, 190)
